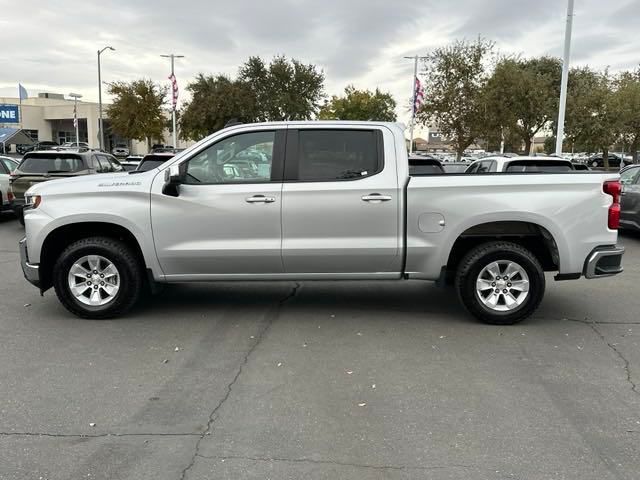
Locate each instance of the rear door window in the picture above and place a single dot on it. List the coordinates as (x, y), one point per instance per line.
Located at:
(114, 164)
(333, 155)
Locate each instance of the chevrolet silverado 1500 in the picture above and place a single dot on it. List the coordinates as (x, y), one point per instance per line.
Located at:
(317, 201)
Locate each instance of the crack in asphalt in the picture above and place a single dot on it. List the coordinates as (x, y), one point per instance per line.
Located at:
(271, 316)
(627, 366)
(94, 435)
(335, 462)
(592, 322)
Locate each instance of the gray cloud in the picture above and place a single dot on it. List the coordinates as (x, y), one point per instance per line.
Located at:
(356, 41)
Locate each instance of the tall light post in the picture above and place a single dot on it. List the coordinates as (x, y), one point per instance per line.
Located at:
(413, 98)
(565, 78)
(101, 136)
(75, 97)
(173, 110)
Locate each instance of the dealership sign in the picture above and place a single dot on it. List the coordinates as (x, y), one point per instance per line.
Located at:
(9, 113)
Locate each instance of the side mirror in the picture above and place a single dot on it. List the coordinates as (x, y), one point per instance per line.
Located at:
(173, 177)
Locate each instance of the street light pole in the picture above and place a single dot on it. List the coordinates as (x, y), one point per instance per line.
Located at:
(100, 127)
(413, 98)
(75, 97)
(173, 110)
(565, 78)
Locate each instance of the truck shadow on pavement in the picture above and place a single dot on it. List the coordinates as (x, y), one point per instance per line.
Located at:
(412, 299)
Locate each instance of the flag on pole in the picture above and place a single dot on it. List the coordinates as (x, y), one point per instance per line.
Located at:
(22, 92)
(174, 90)
(75, 116)
(418, 95)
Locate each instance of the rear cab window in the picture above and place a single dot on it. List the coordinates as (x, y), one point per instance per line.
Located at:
(58, 162)
(324, 155)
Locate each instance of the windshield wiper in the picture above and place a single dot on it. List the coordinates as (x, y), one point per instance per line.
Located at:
(58, 171)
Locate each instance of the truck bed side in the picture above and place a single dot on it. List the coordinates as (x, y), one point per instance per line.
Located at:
(572, 208)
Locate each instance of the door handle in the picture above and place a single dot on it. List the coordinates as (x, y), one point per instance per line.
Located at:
(260, 199)
(376, 197)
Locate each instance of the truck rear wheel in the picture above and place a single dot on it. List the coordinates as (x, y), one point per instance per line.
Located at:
(500, 283)
(97, 278)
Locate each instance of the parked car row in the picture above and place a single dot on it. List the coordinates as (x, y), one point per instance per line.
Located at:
(44, 165)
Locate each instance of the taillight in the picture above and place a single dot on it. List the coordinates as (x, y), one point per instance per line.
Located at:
(613, 188)
(10, 196)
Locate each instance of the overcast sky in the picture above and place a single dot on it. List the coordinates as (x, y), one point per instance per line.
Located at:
(50, 45)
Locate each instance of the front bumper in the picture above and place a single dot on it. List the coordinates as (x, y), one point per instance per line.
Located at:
(604, 262)
(31, 272)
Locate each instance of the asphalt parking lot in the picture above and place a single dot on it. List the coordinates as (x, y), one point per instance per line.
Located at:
(341, 380)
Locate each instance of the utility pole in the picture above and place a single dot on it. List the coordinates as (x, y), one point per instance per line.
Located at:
(75, 97)
(100, 127)
(413, 98)
(565, 78)
(173, 110)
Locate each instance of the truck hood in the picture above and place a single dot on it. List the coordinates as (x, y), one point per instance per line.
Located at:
(95, 183)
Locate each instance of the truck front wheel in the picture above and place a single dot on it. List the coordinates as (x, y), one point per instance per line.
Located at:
(500, 283)
(97, 278)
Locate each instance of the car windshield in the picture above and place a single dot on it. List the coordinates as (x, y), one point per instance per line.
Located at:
(51, 163)
(529, 166)
(152, 161)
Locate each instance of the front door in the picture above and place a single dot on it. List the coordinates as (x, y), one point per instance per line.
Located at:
(226, 217)
(341, 202)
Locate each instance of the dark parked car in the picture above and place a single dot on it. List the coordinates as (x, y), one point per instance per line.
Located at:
(630, 202)
(614, 161)
(153, 160)
(42, 166)
(44, 145)
(423, 165)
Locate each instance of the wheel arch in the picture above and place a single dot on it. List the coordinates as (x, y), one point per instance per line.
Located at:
(62, 236)
(531, 235)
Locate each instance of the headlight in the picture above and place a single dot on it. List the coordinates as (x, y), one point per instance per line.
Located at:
(32, 201)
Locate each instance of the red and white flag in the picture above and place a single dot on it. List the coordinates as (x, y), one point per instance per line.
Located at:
(174, 90)
(418, 95)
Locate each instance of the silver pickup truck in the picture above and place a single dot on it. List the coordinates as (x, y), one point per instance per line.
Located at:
(317, 201)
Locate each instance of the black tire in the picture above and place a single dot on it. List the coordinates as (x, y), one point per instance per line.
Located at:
(131, 282)
(20, 215)
(477, 259)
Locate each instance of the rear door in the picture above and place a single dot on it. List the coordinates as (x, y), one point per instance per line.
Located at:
(340, 202)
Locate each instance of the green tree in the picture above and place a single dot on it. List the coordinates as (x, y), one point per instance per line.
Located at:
(137, 109)
(592, 119)
(627, 105)
(522, 96)
(456, 78)
(215, 100)
(284, 89)
(360, 105)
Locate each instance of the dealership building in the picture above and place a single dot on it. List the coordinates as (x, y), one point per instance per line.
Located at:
(49, 116)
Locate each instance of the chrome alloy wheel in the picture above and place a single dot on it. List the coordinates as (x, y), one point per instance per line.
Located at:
(94, 280)
(502, 286)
